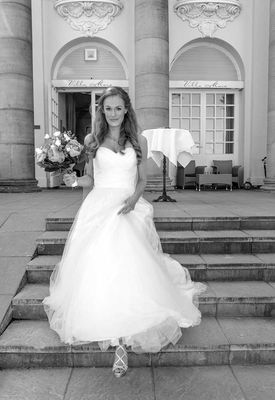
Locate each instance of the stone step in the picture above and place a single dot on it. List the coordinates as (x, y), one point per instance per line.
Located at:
(222, 341)
(204, 267)
(250, 298)
(64, 222)
(185, 242)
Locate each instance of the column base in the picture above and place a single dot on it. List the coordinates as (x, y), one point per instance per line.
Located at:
(269, 184)
(19, 186)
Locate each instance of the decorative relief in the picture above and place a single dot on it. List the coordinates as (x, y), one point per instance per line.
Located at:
(207, 16)
(90, 16)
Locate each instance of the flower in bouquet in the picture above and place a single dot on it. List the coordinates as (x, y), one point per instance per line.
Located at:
(74, 148)
(61, 151)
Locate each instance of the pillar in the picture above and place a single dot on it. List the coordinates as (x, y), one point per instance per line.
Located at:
(152, 66)
(16, 98)
(269, 182)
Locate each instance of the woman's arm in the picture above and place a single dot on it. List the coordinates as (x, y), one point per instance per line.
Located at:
(86, 180)
(130, 203)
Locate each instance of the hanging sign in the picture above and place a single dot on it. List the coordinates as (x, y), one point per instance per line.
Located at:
(206, 84)
(88, 83)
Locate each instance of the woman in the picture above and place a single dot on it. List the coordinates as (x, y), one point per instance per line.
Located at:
(114, 285)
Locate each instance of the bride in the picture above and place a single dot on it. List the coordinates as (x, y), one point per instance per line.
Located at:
(114, 285)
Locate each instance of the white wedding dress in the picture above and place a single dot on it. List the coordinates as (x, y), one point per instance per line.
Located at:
(114, 281)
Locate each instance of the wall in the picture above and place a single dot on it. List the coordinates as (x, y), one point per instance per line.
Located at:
(248, 35)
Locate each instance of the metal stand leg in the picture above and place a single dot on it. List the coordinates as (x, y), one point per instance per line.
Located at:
(164, 196)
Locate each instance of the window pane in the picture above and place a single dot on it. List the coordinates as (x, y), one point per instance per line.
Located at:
(196, 111)
(230, 111)
(209, 123)
(210, 111)
(230, 99)
(185, 112)
(229, 148)
(230, 124)
(176, 98)
(196, 98)
(229, 136)
(195, 124)
(185, 98)
(220, 111)
(219, 123)
(219, 148)
(196, 136)
(210, 99)
(209, 148)
(175, 123)
(220, 99)
(175, 112)
(185, 124)
(219, 136)
(209, 136)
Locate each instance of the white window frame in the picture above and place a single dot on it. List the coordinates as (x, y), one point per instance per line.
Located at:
(202, 158)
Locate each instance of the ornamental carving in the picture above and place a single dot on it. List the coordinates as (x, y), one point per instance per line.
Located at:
(88, 17)
(207, 16)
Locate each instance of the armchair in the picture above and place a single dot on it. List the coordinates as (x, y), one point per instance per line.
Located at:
(226, 167)
(187, 175)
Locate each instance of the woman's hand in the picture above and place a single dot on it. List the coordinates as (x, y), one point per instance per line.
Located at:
(69, 179)
(129, 205)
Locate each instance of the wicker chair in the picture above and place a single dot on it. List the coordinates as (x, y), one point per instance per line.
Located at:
(226, 167)
(187, 175)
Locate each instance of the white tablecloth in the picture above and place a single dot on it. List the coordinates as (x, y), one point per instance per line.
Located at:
(176, 144)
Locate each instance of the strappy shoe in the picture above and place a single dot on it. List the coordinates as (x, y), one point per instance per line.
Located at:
(120, 365)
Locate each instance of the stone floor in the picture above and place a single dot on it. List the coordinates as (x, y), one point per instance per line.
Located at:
(22, 219)
(185, 383)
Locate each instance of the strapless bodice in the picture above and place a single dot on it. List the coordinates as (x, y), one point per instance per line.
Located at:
(115, 170)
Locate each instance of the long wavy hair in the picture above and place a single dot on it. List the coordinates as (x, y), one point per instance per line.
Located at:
(128, 129)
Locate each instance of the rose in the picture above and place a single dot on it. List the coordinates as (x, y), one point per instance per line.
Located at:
(74, 148)
(40, 155)
(55, 155)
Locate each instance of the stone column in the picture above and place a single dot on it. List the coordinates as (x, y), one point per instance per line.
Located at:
(269, 182)
(16, 98)
(152, 65)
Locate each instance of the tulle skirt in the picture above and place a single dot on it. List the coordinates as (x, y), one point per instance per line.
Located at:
(115, 283)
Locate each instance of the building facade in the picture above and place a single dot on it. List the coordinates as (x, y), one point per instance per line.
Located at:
(204, 66)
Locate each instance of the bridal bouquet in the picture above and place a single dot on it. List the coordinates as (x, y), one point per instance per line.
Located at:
(60, 152)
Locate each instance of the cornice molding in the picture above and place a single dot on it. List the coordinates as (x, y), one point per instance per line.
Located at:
(90, 16)
(207, 16)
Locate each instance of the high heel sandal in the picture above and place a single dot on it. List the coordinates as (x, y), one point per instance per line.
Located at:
(120, 365)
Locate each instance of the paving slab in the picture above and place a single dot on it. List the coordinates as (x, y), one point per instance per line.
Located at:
(248, 330)
(257, 381)
(196, 383)
(100, 384)
(266, 258)
(218, 259)
(34, 384)
(17, 243)
(12, 270)
(24, 222)
(247, 289)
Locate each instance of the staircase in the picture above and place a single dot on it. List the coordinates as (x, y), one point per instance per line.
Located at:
(235, 256)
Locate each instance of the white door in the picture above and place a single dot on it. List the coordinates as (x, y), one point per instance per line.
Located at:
(212, 117)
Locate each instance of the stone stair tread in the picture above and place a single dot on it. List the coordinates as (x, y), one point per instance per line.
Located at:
(259, 260)
(224, 259)
(60, 236)
(34, 293)
(44, 261)
(29, 336)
